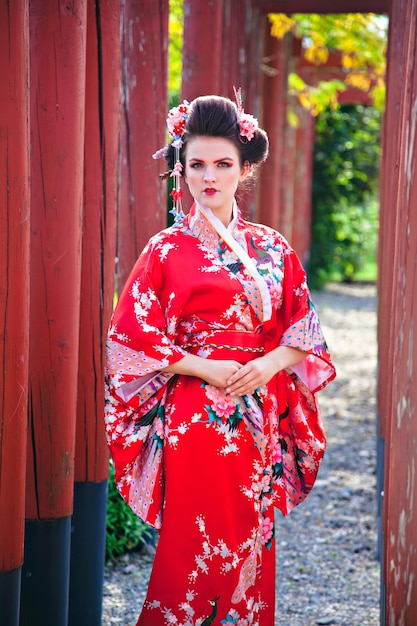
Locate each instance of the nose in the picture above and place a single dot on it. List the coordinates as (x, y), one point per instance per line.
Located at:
(209, 174)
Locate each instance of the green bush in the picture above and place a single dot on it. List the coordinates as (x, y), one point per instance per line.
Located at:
(124, 530)
(345, 186)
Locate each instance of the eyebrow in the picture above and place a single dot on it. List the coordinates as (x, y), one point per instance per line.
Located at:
(216, 161)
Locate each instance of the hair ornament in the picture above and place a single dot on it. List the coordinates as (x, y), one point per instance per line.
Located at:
(176, 121)
(160, 153)
(248, 124)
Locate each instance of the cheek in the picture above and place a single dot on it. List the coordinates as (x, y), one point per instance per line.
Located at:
(234, 178)
(190, 174)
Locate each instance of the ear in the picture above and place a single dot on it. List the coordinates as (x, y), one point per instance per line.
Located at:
(244, 171)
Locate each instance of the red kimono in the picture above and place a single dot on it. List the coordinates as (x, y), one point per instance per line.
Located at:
(204, 467)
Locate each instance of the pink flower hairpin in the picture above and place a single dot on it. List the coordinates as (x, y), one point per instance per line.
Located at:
(247, 123)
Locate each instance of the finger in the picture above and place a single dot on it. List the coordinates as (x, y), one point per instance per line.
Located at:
(236, 383)
(241, 387)
(238, 375)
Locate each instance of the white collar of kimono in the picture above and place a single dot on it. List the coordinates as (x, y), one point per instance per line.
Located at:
(227, 235)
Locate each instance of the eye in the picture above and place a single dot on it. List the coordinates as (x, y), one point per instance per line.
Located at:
(225, 164)
(196, 166)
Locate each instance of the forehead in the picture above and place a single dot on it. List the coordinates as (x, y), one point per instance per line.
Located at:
(211, 148)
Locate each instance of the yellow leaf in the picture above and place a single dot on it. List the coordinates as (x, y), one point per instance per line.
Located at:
(317, 54)
(281, 24)
(349, 61)
(292, 119)
(358, 80)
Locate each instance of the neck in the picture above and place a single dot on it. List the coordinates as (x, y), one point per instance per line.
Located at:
(225, 217)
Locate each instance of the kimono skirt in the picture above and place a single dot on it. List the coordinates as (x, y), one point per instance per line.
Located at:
(216, 552)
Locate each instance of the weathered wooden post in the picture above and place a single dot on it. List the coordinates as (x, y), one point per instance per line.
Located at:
(303, 178)
(397, 320)
(251, 67)
(14, 301)
(202, 59)
(201, 55)
(242, 47)
(143, 202)
(88, 534)
(274, 120)
(57, 52)
(387, 220)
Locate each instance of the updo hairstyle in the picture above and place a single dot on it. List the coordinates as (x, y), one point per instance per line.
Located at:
(215, 116)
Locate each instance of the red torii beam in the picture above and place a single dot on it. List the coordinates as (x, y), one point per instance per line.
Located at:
(325, 6)
(14, 306)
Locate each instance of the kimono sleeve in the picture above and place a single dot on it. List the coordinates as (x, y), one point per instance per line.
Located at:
(139, 345)
(302, 328)
(298, 435)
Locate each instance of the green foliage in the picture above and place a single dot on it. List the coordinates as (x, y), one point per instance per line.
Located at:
(318, 97)
(345, 185)
(124, 530)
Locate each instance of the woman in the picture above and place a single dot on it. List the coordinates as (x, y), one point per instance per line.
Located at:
(215, 354)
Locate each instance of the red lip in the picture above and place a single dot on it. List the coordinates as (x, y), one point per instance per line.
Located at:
(210, 191)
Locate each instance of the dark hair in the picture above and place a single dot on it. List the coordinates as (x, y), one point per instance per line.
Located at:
(215, 116)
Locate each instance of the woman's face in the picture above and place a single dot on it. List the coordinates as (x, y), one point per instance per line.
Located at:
(213, 172)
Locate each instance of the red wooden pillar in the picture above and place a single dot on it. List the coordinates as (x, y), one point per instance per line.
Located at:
(14, 302)
(389, 179)
(386, 276)
(272, 185)
(202, 47)
(57, 46)
(297, 161)
(399, 319)
(252, 67)
(242, 47)
(202, 56)
(233, 46)
(288, 175)
(301, 208)
(97, 292)
(143, 202)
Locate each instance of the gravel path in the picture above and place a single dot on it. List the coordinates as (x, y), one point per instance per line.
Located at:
(327, 566)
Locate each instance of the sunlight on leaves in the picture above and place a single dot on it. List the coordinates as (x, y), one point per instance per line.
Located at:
(359, 39)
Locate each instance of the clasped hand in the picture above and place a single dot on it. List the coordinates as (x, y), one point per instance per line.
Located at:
(240, 379)
(234, 377)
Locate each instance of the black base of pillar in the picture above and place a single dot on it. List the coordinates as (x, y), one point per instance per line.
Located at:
(10, 597)
(45, 573)
(88, 545)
